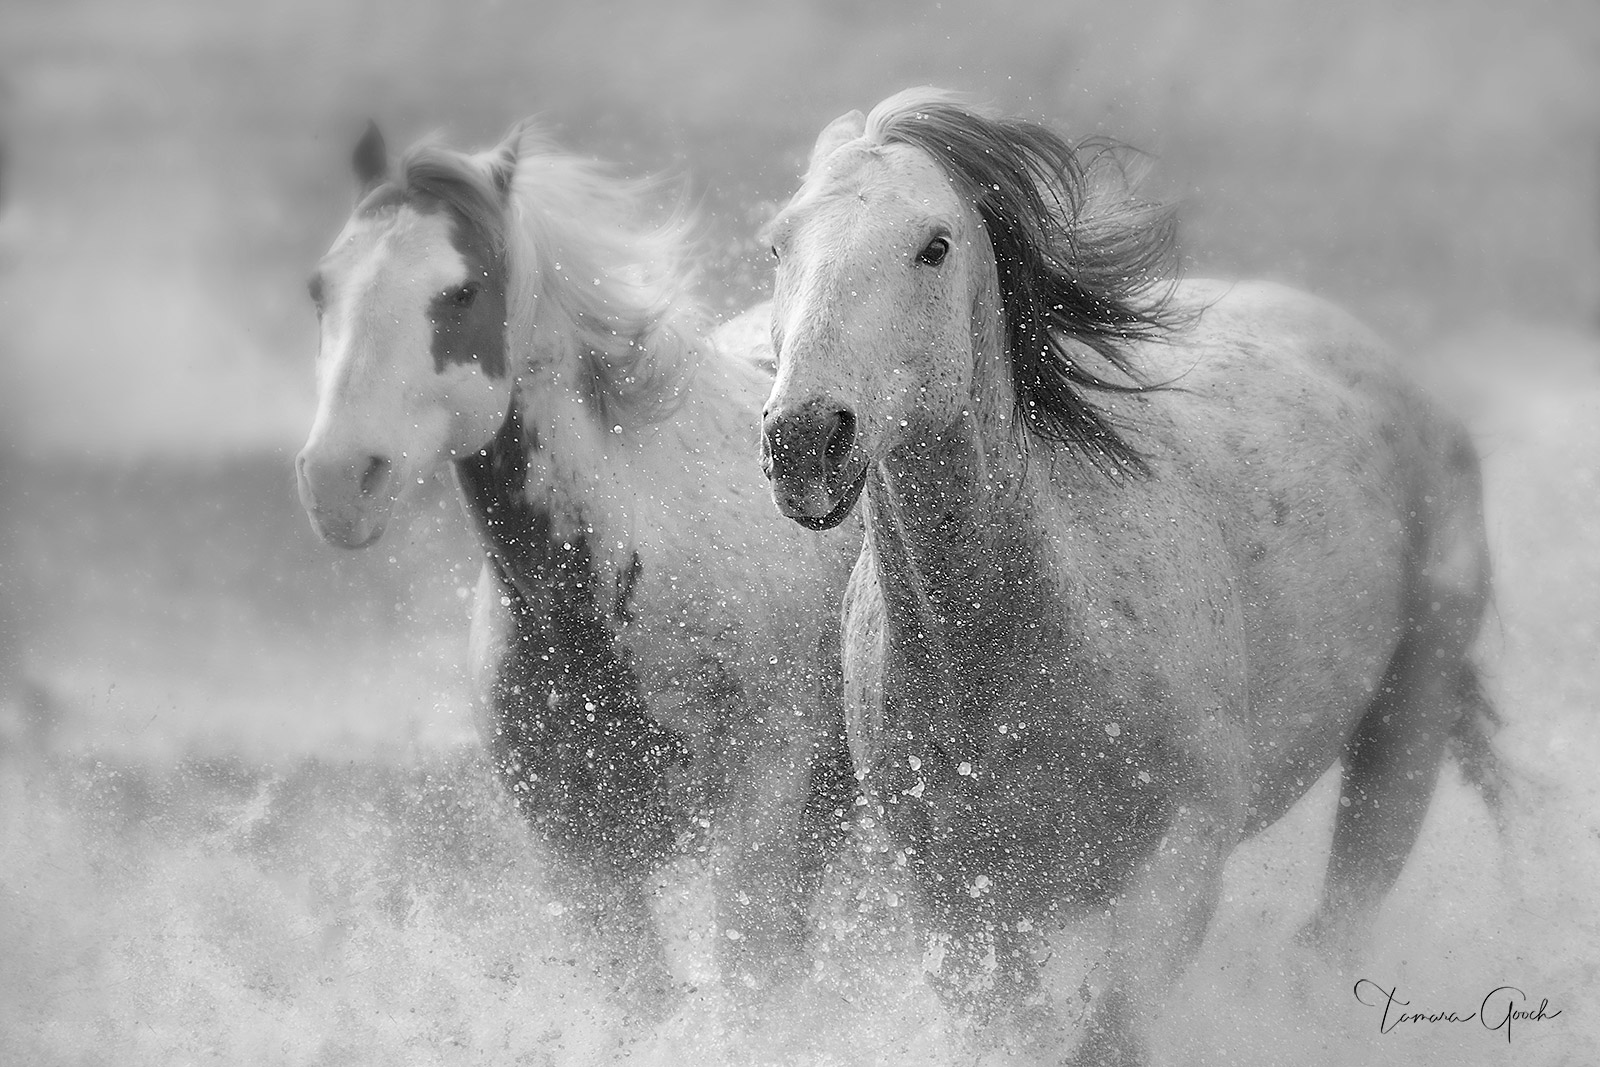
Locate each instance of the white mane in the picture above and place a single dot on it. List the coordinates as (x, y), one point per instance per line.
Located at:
(590, 286)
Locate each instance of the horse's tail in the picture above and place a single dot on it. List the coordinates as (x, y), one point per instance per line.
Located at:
(1472, 743)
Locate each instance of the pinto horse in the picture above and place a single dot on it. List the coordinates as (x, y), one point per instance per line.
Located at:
(1142, 559)
(657, 654)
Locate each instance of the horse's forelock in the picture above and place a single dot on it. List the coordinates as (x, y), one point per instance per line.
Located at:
(459, 183)
(1076, 257)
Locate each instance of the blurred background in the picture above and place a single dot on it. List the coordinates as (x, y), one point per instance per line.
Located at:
(240, 810)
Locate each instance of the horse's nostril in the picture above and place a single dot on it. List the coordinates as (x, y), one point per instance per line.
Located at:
(841, 440)
(374, 477)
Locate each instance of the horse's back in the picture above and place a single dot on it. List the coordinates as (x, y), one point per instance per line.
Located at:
(1293, 390)
(1249, 344)
(1345, 499)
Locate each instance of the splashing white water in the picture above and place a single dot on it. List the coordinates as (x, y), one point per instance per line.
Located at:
(166, 901)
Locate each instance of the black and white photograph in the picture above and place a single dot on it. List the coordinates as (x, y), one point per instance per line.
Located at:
(813, 534)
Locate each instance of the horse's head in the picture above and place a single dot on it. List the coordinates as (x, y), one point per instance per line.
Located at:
(412, 367)
(878, 259)
(940, 264)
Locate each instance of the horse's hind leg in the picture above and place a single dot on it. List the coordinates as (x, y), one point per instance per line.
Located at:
(1390, 769)
(1392, 760)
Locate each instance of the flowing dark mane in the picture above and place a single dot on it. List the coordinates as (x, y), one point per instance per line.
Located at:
(1078, 256)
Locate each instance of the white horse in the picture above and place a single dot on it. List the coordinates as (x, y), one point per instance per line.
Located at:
(1142, 559)
(657, 653)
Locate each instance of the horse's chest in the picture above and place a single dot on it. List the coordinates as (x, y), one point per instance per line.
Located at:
(1037, 783)
(1058, 818)
(685, 641)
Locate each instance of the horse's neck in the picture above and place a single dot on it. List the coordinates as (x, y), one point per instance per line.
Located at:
(569, 469)
(592, 465)
(952, 532)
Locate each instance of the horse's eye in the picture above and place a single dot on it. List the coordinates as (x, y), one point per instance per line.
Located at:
(934, 253)
(464, 296)
(775, 252)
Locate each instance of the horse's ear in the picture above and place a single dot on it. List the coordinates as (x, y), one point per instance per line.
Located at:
(371, 158)
(504, 156)
(846, 127)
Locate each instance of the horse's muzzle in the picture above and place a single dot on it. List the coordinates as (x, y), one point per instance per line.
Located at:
(809, 454)
(348, 502)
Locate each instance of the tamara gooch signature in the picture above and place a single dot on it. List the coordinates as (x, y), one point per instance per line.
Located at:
(1500, 1007)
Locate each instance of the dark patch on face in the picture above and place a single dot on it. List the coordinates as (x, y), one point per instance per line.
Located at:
(574, 742)
(1280, 510)
(625, 586)
(468, 320)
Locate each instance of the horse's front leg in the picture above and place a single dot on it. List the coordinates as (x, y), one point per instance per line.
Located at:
(771, 846)
(1159, 921)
